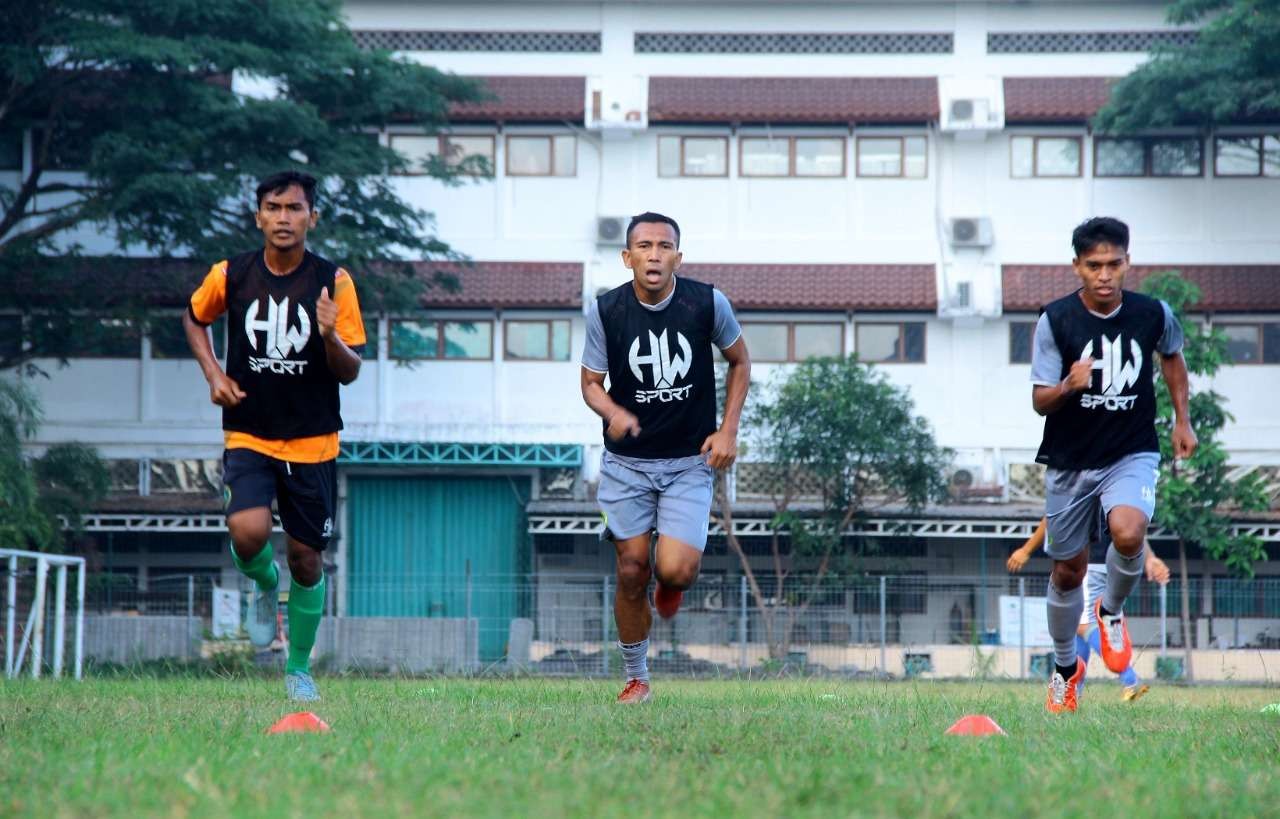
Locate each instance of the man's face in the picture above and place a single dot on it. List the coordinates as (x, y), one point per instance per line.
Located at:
(285, 217)
(652, 256)
(1102, 270)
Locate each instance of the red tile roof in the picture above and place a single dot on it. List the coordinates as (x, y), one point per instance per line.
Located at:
(505, 285)
(910, 287)
(526, 99)
(793, 99)
(1244, 287)
(1054, 99)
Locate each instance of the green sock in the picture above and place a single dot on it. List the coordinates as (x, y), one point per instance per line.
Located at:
(306, 607)
(261, 569)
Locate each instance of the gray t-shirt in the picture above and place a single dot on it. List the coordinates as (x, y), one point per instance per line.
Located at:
(595, 357)
(1046, 359)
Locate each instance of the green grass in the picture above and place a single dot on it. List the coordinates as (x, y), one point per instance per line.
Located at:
(413, 747)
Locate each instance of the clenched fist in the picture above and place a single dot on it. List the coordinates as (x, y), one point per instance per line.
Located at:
(1080, 378)
(224, 391)
(326, 314)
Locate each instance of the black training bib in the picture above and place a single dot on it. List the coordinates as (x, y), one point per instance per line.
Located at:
(661, 369)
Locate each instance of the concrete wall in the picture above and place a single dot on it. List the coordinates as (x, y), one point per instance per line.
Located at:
(111, 639)
(413, 645)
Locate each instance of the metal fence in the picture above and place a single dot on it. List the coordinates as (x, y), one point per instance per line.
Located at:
(925, 626)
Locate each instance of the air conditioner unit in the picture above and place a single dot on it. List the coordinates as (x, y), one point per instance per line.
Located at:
(971, 104)
(970, 114)
(965, 483)
(970, 231)
(611, 230)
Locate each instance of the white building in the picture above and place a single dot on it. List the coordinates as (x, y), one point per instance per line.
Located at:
(893, 179)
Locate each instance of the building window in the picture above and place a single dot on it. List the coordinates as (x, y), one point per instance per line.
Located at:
(890, 342)
(470, 154)
(1021, 339)
(1252, 343)
(1044, 156)
(1246, 156)
(444, 340)
(542, 156)
(1163, 156)
(791, 156)
(900, 157)
(782, 341)
(84, 337)
(169, 339)
(693, 156)
(543, 340)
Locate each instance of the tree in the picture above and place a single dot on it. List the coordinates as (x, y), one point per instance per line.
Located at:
(837, 429)
(1229, 73)
(137, 97)
(41, 499)
(1193, 498)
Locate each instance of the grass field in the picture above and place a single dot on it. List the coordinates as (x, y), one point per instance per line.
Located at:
(444, 747)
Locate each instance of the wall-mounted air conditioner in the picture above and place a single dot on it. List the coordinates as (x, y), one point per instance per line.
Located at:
(969, 231)
(611, 230)
(971, 104)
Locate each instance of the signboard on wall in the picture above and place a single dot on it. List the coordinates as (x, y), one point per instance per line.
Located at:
(226, 612)
(1012, 618)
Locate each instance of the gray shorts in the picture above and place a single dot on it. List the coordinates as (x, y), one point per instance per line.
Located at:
(1095, 583)
(675, 501)
(1077, 502)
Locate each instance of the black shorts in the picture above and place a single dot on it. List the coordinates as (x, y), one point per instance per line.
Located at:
(306, 494)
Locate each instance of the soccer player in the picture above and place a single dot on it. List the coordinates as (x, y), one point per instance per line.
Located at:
(294, 334)
(1087, 635)
(652, 337)
(1092, 374)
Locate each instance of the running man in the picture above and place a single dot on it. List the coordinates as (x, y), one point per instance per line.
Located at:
(294, 334)
(1087, 635)
(1092, 374)
(652, 337)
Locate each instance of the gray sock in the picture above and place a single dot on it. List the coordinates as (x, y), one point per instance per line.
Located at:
(636, 658)
(1123, 574)
(1064, 609)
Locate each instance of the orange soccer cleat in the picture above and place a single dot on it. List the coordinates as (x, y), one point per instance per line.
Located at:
(1113, 635)
(667, 601)
(1063, 693)
(635, 691)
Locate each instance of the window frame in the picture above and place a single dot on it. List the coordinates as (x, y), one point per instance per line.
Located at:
(902, 156)
(902, 339)
(1031, 341)
(441, 150)
(1259, 328)
(791, 156)
(551, 149)
(680, 174)
(1262, 155)
(440, 339)
(1147, 142)
(1035, 156)
(506, 338)
(791, 337)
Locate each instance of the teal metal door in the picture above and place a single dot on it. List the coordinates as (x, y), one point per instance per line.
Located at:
(410, 542)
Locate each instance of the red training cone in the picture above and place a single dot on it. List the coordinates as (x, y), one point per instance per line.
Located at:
(975, 725)
(303, 722)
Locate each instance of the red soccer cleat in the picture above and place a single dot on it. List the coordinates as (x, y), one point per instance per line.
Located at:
(1113, 634)
(667, 601)
(635, 691)
(1064, 694)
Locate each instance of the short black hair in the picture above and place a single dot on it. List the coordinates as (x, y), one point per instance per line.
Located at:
(650, 216)
(1100, 230)
(280, 182)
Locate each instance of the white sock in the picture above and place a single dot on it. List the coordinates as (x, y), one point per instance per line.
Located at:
(636, 658)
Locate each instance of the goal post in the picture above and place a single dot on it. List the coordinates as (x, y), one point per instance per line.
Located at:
(32, 639)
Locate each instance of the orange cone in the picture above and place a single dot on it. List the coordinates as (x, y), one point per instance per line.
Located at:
(975, 725)
(303, 722)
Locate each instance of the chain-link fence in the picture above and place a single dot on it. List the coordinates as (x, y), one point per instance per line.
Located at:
(925, 626)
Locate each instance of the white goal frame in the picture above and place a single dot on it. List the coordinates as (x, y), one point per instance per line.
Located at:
(33, 634)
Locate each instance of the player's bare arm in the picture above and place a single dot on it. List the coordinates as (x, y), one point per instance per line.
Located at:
(223, 390)
(342, 360)
(621, 423)
(1023, 553)
(1174, 369)
(721, 446)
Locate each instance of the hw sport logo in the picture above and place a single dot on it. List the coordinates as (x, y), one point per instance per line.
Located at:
(1117, 374)
(664, 369)
(281, 339)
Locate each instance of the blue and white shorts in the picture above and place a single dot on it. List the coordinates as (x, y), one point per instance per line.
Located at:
(672, 496)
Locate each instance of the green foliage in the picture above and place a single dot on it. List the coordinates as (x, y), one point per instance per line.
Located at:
(137, 95)
(1231, 73)
(36, 495)
(1192, 496)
